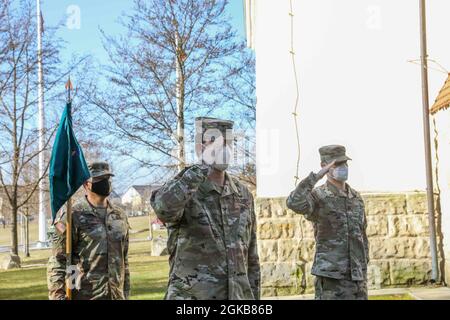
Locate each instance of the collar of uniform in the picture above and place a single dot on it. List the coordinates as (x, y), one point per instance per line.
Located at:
(109, 207)
(208, 186)
(349, 191)
(232, 183)
(229, 186)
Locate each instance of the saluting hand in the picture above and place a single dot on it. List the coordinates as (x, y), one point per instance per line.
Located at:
(205, 169)
(325, 169)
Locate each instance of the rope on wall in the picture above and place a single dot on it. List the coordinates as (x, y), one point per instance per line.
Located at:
(295, 111)
(301, 263)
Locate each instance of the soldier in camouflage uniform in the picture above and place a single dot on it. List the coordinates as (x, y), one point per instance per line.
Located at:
(338, 216)
(99, 245)
(211, 223)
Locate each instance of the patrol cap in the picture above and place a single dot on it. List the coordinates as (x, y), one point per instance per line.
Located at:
(333, 152)
(99, 170)
(208, 125)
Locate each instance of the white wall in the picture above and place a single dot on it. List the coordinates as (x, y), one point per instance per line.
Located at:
(356, 88)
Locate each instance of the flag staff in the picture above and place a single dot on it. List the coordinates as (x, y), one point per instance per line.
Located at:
(426, 131)
(42, 200)
(69, 218)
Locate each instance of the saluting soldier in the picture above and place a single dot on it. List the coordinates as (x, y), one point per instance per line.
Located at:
(99, 245)
(338, 216)
(211, 223)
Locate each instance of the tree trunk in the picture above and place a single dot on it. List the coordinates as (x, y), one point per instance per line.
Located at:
(14, 239)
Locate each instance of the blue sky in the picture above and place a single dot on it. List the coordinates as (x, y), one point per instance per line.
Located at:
(102, 14)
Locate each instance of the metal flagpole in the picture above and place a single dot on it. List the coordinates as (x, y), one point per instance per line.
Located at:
(179, 58)
(42, 201)
(426, 131)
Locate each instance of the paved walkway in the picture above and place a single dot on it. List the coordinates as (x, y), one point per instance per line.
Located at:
(425, 293)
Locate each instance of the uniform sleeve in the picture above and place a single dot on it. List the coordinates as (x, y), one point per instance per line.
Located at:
(56, 266)
(302, 200)
(254, 273)
(365, 239)
(170, 200)
(127, 284)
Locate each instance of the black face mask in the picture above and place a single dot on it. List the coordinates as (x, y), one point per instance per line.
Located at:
(102, 187)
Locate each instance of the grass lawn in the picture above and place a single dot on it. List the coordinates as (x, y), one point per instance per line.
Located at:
(148, 275)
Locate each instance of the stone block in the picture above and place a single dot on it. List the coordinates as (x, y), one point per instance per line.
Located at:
(384, 204)
(276, 229)
(278, 207)
(268, 292)
(307, 250)
(304, 228)
(410, 272)
(288, 250)
(268, 250)
(399, 248)
(263, 208)
(11, 261)
(277, 274)
(377, 225)
(416, 202)
(378, 274)
(408, 225)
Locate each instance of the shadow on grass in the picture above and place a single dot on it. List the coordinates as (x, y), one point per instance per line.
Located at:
(23, 284)
(36, 292)
(148, 289)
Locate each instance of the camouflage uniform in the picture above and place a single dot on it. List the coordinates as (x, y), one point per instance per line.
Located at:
(99, 250)
(339, 221)
(212, 237)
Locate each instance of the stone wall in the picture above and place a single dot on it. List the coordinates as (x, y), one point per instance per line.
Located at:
(397, 231)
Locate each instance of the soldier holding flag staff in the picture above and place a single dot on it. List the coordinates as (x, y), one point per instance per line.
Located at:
(99, 242)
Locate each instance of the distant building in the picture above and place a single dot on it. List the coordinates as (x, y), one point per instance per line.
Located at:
(115, 198)
(137, 198)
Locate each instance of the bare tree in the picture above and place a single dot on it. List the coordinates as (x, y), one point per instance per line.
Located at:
(238, 91)
(166, 70)
(239, 87)
(18, 102)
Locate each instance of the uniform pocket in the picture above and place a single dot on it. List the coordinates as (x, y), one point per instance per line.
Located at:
(245, 227)
(94, 230)
(117, 230)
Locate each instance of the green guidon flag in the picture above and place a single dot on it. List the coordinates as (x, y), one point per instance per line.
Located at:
(68, 168)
